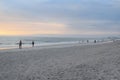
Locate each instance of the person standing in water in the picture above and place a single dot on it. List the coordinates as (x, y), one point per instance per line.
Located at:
(20, 44)
(33, 43)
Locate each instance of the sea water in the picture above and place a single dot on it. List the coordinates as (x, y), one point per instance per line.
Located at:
(12, 41)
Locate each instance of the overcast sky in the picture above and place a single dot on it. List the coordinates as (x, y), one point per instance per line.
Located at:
(80, 17)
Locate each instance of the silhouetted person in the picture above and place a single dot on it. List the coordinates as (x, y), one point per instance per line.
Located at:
(20, 44)
(95, 41)
(87, 41)
(33, 43)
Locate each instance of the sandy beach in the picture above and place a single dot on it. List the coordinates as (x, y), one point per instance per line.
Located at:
(100, 61)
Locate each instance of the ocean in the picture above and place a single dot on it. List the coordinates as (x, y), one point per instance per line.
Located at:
(7, 42)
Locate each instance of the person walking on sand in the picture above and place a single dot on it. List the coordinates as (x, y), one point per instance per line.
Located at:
(33, 43)
(20, 44)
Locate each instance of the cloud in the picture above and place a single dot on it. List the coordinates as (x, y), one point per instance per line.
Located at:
(76, 15)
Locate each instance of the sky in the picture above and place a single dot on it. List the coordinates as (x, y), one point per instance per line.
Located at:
(60, 17)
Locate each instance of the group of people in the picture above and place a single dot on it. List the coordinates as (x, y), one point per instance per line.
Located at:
(95, 41)
(20, 44)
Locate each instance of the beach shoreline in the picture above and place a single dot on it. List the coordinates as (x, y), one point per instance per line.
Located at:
(67, 44)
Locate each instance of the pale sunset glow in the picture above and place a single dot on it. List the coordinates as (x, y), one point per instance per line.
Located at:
(30, 28)
(81, 17)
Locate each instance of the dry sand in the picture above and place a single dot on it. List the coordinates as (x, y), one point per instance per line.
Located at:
(62, 62)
